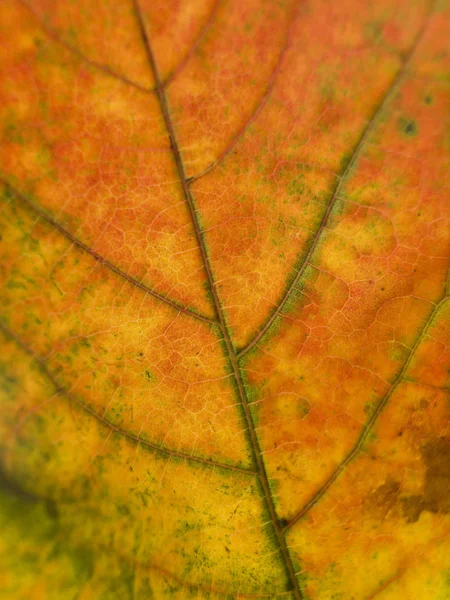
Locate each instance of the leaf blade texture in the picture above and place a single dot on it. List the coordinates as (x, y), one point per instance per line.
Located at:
(225, 299)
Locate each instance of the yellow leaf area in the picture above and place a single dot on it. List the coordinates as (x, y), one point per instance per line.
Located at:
(225, 301)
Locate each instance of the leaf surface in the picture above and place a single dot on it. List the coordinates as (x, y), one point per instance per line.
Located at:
(225, 299)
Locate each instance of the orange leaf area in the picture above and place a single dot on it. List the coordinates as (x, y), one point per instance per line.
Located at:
(225, 300)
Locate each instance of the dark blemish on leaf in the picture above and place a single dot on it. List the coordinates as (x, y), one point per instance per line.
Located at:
(385, 496)
(282, 523)
(436, 456)
(408, 127)
(51, 509)
(412, 508)
(428, 99)
(436, 485)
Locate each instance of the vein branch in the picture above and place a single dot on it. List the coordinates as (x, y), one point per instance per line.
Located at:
(256, 111)
(370, 423)
(53, 35)
(341, 182)
(103, 261)
(122, 432)
(198, 40)
(49, 32)
(258, 460)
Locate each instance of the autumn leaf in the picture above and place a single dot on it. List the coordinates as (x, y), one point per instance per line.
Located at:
(225, 299)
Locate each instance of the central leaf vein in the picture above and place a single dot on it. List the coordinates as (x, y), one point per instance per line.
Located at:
(231, 356)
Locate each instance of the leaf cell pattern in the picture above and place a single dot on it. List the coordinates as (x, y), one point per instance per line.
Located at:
(225, 299)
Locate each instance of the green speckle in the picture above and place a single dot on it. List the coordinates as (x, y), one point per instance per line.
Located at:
(123, 509)
(296, 187)
(408, 127)
(72, 36)
(368, 408)
(303, 407)
(14, 284)
(13, 133)
(83, 563)
(150, 377)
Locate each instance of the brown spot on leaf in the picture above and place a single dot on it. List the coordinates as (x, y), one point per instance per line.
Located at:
(436, 486)
(412, 508)
(436, 456)
(383, 499)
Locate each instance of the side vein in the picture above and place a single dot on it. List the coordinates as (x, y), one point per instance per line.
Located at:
(50, 33)
(122, 432)
(258, 460)
(96, 65)
(103, 261)
(370, 423)
(257, 109)
(390, 93)
(199, 38)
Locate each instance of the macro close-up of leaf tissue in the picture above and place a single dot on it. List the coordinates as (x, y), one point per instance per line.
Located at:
(225, 300)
